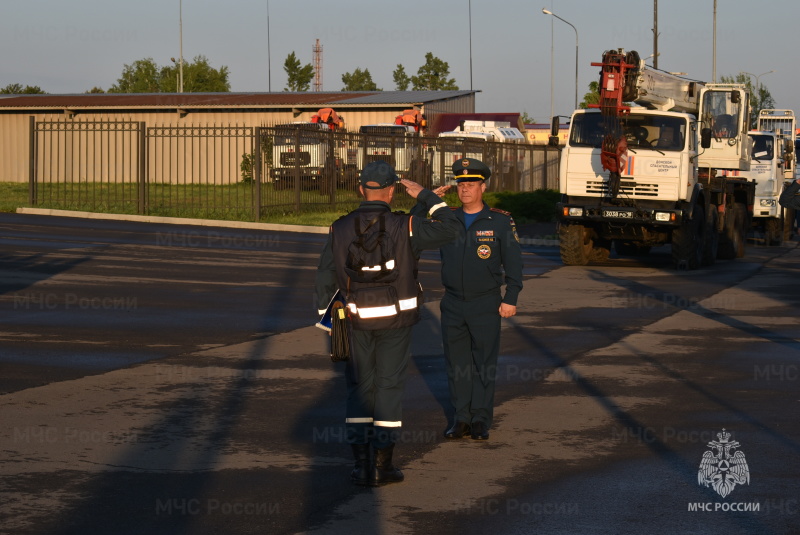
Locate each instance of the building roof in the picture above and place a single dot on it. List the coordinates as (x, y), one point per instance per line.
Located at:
(228, 100)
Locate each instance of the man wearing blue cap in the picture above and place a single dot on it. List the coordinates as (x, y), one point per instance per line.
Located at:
(485, 255)
(371, 257)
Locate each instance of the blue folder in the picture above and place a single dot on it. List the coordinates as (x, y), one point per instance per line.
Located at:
(325, 322)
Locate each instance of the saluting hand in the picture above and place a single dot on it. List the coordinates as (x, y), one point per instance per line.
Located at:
(441, 190)
(506, 310)
(412, 188)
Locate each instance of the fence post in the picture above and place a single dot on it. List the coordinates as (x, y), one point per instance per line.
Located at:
(32, 197)
(257, 173)
(143, 162)
(297, 178)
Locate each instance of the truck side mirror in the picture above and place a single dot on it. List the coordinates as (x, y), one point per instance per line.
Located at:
(705, 138)
(734, 97)
(789, 147)
(553, 139)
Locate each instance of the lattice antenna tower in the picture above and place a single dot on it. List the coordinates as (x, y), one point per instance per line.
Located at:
(317, 50)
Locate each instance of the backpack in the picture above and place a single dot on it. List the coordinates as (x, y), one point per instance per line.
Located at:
(370, 256)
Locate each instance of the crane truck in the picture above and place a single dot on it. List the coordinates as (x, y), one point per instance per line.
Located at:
(400, 144)
(664, 170)
(308, 150)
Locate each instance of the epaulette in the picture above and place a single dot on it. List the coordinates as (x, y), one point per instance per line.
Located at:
(499, 211)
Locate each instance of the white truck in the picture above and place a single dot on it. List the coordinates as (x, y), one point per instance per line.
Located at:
(773, 166)
(301, 149)
(663, 171)
(401, 145)
(471, 141)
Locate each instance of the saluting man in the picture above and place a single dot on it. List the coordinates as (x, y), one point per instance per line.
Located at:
(384, 305)
(484, 256)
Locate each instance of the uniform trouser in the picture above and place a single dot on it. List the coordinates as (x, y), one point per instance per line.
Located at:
(471, 336)
(376, 374)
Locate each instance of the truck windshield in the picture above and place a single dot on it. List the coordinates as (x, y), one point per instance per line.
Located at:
(724, 114)
(657, 132)
(383, 130)
(287, 134)
(763, 147)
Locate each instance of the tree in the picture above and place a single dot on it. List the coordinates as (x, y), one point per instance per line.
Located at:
(401, 79)
(144, 76)
(198, 77)
(298, 78)
(96, 89)
(433, 75)
(760, 98)
(17, 89)
(593, 96)
(359, 80)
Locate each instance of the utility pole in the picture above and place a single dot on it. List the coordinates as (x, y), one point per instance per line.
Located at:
(655, 34)
(269, 56)
(180, 38)
(714, 53)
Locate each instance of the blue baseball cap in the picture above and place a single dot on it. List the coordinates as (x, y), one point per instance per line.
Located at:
(378, 175)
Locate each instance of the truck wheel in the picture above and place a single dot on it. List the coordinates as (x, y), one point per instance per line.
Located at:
(688, 242)
(710, 238)
(773, 230)
(575, 245)
(731, 243)
(601, 249)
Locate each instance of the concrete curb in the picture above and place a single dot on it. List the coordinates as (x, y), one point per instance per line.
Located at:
(174, 220)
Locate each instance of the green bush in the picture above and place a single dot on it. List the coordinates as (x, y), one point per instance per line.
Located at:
(528, 206)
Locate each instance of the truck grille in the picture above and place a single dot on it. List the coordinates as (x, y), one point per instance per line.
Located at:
(629, 188)
(295, 158)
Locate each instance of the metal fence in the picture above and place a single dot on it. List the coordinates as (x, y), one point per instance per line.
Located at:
(248, 173)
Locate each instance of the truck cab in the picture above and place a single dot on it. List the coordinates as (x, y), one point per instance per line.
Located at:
(304, 147)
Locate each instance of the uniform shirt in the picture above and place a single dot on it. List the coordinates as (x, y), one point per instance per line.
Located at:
(425, 234)
(483, 257)
(790, 198)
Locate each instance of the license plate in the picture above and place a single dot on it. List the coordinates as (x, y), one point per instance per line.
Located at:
(620, 214)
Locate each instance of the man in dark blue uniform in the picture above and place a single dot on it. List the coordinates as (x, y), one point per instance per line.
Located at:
(485, 255)
(790, 197)
(383, 300)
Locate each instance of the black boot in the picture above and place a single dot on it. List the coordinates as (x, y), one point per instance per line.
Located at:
(383, 472)
(361, 469)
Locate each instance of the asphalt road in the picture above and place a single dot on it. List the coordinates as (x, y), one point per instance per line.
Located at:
(165, 379)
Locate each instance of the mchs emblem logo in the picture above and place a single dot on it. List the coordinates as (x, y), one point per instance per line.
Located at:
(721, 467)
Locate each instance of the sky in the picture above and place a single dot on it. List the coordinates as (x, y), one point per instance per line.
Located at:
(509, 54)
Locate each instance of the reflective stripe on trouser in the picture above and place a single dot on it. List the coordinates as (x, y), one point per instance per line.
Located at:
(376, 374)
(471, 336)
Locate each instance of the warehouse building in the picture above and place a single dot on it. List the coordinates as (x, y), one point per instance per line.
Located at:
(17, 112)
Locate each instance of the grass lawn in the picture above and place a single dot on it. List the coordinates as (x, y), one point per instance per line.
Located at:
(235, 202)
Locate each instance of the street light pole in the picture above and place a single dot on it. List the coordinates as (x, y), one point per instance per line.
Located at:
(548, 12)
(758, 86)
(180, 37)
(269, 56)
(758, 80)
